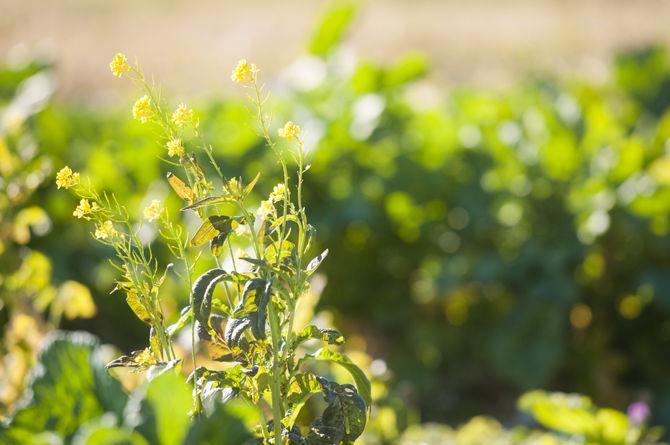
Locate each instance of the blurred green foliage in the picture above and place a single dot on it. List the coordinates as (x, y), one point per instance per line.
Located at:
(485, 242)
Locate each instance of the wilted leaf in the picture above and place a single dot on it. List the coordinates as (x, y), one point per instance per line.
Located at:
(135, 303)
(181, 189)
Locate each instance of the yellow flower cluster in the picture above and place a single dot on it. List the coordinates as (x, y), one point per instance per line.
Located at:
(119, 65)
(142, 110)
(183, 116)
(66, 178)
(278, 192)
(266, 209)
(290, 131)
(174, 147)
(244, 72)
(105, 230)
(85, 208)
(153, 210)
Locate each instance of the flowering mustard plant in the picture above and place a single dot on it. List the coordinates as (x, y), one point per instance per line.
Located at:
(251, 325)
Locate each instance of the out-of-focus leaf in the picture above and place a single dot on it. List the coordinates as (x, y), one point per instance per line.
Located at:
(330, 31)
(159, 411)
(68, 388)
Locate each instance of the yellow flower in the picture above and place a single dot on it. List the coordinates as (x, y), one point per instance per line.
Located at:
(290, 131)
(153, 210)
(66, 178)
(174, 147)
(277, 194)
(266, 209)
(85, 208)
(233, 187)
(183, 116)
(119, 65)
(244, 72)
(142, 110)
(105, 230)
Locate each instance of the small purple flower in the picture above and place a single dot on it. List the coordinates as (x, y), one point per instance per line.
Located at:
(638, 412)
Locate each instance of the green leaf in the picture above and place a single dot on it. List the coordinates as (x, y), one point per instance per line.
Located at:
(362, 382)
(225, 426)
(344, 418)
(272, 251)
(331, 29)
(330, 336)
(234, 330)
(302, 387)
(251, 311)
(565, 413)
(251, 185)
(68, 387)
(106, 432)
(202, 291)
(159, 410)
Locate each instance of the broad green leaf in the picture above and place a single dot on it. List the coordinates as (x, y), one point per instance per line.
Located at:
(159, 410)
(68, 388)
(105, 432)
(227, 425)
(362, 382)
(565, 413)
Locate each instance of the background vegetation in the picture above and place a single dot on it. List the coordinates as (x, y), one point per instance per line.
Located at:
(482, 243)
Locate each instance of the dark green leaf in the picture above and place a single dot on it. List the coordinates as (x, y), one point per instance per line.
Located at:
(362, 382)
